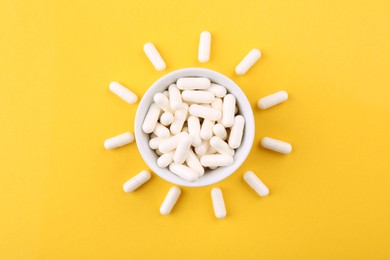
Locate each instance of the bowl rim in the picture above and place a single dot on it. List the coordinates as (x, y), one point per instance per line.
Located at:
(213, 176)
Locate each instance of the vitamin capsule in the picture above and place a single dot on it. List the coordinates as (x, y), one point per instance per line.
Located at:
(161, 131)
(202, 148)
(218, 90)
(221, 146)
(179, 119)
(204, 47)
(198, 96)
(218, 203)
(193, 83)
(165, 159)
(170, 143)
(174, 97)
(220, 131)
(135, 182)
(156, 141)
(216, 160)
(229, 103)
(206, 132)
(276, 145)
(205, 112)
(166, 118)
(183, 171)
(154, 56)
(194, 130)
(119, 140)
(217, 104)
(272, 100)
(182, 148)
(256, 183)
(170, 200)
(248, 61)
(151, 119)
(162, 101)
(122, 92)
(236, 132)
(193, 162)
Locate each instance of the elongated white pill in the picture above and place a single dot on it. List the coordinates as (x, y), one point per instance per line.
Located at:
(221, 146)
(256, 184)
(154, 56)
(236, 132)
(205, 112)
(218, 203)
(248, 61)
(122, 92)
(217, 104)
(166, 118)
(174, 97)
(151, 119)
(170, 143)
(170, 200)
(198, 96)
(165, 159)
(272, 100)
(202, 148)
(206, 132)
(119, 140)
(193, 162)
(193, 83)
(183, 171)
(136, 181)
(216, 160)
(220, 131)
(161, 131)
(182, 148)
(194, 130)
(229, 103)
(162, 101)
(204, 47)
(155, 142)
(276, 145)
(218, 90)
(179, 119)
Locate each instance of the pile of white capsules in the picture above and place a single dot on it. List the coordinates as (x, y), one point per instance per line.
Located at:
(193, 127)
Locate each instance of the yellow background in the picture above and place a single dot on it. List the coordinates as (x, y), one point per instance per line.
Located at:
(61, 191)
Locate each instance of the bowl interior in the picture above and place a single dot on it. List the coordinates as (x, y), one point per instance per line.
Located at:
(211, 176)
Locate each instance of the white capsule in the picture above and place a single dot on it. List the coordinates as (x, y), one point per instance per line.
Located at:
(216, 160)
(193, 83)
(118, 141)
(218, 90)
(205, 112)
(151, 119)
(194, 130)
(229, 103)
(174, 97)
(272, 100)
(166, 118)
(217, 104)
(122, 92)
(170, 200)
(179, 119)
(202, 148)
(165, 159)
(154, 56)
(220, 131)
(276, 145)
(206, 132)
(198, 96)
(135, 182)
(183, 171)
(204, 47)
(193, 162)
(161, 131)
(248, 61)
(218, 203)
(162, 101)
(256, 183)
(236, 132)
(221, 146)
(170, 143)
(156, 141)
(182, 148)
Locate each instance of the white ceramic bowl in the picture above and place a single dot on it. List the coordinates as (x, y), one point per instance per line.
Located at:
(211, 176)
